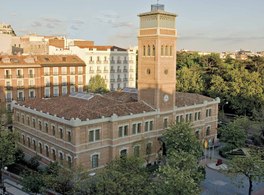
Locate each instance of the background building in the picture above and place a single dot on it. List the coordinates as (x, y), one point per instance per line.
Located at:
(38, 76)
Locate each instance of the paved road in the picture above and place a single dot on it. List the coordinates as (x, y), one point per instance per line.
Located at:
(12, 188)
(219, 183)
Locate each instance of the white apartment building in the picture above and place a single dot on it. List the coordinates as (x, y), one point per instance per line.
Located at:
(116, 65)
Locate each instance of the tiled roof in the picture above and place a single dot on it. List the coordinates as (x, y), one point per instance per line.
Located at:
(39, 59)
(94, 108)
(189, 99)
(119, 103)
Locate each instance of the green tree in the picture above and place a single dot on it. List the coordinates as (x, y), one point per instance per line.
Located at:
(233, 135)
(7, 149)
(180, 137)
(190, 80)
(33, 182)
(123, 176)
(181, 173)
(252, 167)
(179, 176)
(97, 85)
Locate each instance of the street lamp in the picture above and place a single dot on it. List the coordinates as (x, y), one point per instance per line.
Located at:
(224, 105)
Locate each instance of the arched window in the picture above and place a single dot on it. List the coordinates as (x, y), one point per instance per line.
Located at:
(153, 50)
(162, 50)
(136, 151)
(47, 151)
(69, 162)
(148, 50)
(166, 50)
(144, 50)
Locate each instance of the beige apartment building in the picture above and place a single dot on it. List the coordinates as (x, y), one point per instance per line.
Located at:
(39, 76)
(93, 129)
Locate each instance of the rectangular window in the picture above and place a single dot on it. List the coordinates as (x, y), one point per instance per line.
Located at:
(165, 123)
(120, 131)
(53, 130)
(126, 130)
(94, 135)
(139, 128)
(97, 134)
(134, 128)
(91, 136)
(95, 161)
(146, 126)
(150, 125)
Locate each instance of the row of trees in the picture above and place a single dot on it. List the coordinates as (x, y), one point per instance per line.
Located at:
(179, 173)
(241, 83)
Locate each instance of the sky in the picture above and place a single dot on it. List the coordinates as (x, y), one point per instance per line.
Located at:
(202, 25)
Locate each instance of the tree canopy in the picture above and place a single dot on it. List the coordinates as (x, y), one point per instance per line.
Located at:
(97, 85)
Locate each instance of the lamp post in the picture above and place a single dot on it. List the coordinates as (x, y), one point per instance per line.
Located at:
(224, 106)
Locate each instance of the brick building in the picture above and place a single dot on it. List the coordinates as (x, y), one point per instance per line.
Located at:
(93, 129)
(28, 77)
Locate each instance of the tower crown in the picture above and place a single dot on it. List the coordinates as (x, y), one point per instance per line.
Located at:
(157, 7)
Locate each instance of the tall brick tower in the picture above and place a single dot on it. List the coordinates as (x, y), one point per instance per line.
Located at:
(157, 58)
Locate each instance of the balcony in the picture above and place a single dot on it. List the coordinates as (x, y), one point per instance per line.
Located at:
(112, 71)
(46, 74)
(98, 62)
(80, 72)
(20, 76)
(112, 80)
(119, 61)
(55, 73)
(98, 71)
(8, 76)
(80, 83)
(105, 62)
(20, 87)
(31, 86)
(105, 71)
(112, 62)
(91, 71)
(32, 97)
(47, 84)
(72, 83)
(118, 70)
(31, 75)
(64, 73)
(125, 79)
(8, 87)
(125, 62)
(64, 83)
(125, 70)
(72, 72)
(55, 84)
(119, 80)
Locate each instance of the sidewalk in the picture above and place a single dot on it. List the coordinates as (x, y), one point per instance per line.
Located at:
(12, 188)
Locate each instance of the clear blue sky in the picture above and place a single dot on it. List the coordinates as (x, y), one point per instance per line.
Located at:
(205, 25)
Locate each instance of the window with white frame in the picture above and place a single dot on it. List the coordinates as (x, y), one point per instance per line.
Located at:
(208, 112)
(136, 128)
(94, 135)
(123, 131)
(95, 160)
